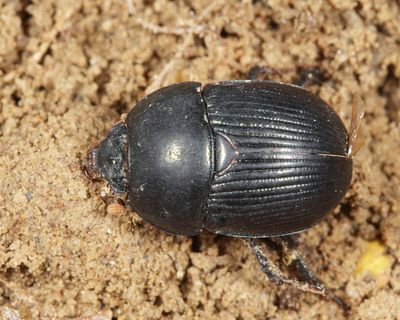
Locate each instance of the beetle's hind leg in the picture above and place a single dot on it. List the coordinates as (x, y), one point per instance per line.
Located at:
(291, 256)
(306, 75)
(275, 274)
(260, 72)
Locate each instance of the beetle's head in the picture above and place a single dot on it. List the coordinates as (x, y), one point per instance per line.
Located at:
(108, 159)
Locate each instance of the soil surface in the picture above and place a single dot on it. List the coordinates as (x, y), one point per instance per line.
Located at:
(70, 69)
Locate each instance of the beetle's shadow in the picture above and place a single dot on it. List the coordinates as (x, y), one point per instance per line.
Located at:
(200, 243)
(196, 244)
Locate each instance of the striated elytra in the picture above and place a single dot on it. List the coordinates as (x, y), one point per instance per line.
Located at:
(247, 159)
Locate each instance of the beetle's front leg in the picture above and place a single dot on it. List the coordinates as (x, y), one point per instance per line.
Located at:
(276, 275)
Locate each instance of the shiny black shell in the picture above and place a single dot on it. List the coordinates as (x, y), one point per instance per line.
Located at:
(291, 167)
(170, 159)
(239, 158)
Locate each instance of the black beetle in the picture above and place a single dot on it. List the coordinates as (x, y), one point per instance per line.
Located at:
(251, 159)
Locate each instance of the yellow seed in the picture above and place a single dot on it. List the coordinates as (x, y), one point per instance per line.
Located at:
(374, 262)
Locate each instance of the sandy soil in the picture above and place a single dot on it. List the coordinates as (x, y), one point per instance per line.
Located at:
(69, 69)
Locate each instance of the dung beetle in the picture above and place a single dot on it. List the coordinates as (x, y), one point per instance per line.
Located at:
(247, 158)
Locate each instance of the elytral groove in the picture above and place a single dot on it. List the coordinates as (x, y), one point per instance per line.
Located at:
(291, 166)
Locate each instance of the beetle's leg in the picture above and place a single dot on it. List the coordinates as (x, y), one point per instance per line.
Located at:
(355, 133)
(306, 75)
(293, 256)
(275, 275)
(258, 72)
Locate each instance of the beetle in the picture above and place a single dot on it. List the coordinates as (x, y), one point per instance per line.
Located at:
(253, 159)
